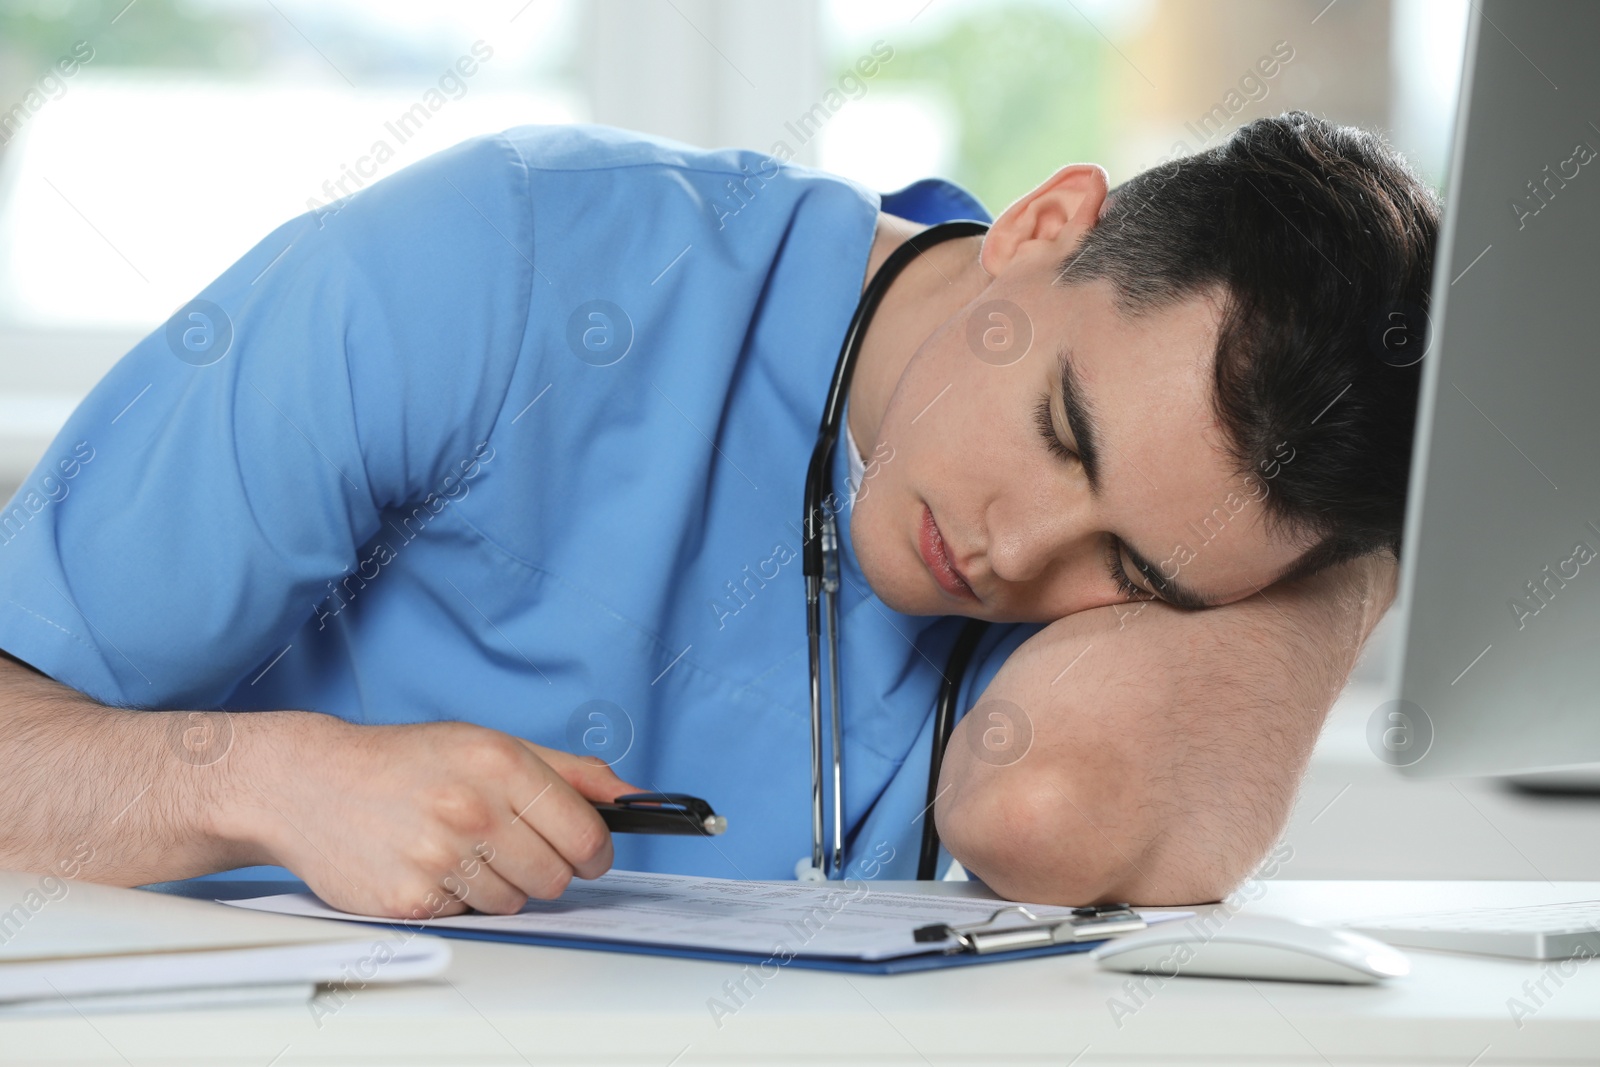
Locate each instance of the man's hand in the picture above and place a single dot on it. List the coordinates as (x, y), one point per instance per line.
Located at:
(416, 821)
(1165, 748)
(403, 821)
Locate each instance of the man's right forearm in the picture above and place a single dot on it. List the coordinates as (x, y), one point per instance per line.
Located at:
(405, 820)
(116, 796)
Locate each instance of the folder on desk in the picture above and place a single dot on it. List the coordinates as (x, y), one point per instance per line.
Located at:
(846, 926)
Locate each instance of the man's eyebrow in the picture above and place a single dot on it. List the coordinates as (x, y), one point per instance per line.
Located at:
(1086, 436)
(1080, 421)
(1169, 589)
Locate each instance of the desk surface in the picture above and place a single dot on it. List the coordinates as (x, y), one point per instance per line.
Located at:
(511, 1004)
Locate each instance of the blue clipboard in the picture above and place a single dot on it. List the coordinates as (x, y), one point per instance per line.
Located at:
(932, 961)
(223, 888)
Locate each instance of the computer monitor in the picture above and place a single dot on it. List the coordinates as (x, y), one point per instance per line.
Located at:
(1499, 600)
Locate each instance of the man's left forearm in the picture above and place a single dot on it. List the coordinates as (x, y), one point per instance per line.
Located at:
(1165, 747)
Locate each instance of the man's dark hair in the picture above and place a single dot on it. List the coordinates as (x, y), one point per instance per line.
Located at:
(1319, 241)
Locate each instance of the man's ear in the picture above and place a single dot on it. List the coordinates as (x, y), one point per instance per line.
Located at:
(1048, 221)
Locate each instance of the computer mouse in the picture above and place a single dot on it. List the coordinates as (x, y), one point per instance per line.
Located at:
(1253, 946)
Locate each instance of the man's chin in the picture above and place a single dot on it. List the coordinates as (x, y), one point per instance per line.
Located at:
(887, 587)
(901, 595)
(907, 587)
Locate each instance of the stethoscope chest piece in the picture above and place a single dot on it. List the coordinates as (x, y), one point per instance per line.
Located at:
(806, 871)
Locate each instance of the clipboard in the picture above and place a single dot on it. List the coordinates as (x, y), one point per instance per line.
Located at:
(773, 924)
(900, 965)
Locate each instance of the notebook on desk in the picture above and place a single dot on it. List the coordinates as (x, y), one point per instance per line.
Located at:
(77, 946)
(848, 926)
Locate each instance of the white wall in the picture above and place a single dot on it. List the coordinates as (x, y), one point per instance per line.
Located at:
(709, 72)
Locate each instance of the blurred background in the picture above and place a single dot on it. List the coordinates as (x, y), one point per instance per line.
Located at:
(187, 129)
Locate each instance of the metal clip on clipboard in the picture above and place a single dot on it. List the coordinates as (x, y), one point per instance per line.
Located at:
(1084, 924)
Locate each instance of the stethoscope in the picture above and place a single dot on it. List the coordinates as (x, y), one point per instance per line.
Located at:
(821, 567)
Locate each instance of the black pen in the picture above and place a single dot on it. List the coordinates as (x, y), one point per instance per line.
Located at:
(661, 813)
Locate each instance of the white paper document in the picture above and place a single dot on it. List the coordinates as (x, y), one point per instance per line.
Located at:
(841, 920)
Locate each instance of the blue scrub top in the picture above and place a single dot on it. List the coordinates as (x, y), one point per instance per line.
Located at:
(516, 436)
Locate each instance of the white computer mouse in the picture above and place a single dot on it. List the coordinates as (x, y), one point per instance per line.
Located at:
(1253, 946)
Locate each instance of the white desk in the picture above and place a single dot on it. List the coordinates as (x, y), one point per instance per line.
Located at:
(510, 1004)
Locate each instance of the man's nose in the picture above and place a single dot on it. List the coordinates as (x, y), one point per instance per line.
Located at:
(1035, 535)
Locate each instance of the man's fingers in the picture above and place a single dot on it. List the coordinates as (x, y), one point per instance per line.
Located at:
(483, 889)
(591, 776)
(525, 859)
(570, 826)
(557, 813)
(452, 906)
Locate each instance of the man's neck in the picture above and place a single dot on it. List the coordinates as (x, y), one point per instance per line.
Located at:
(927, 293)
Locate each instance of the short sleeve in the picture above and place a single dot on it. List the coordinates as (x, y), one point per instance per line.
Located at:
(196, 504)
(996, 646)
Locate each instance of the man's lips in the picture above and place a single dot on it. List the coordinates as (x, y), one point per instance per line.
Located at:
(936, 557)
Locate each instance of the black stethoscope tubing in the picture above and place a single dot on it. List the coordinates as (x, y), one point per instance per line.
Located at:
(820, 539)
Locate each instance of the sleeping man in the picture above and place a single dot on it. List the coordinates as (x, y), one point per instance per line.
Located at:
(474, 498)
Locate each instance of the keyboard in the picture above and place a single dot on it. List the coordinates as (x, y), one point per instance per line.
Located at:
(1541, 932)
